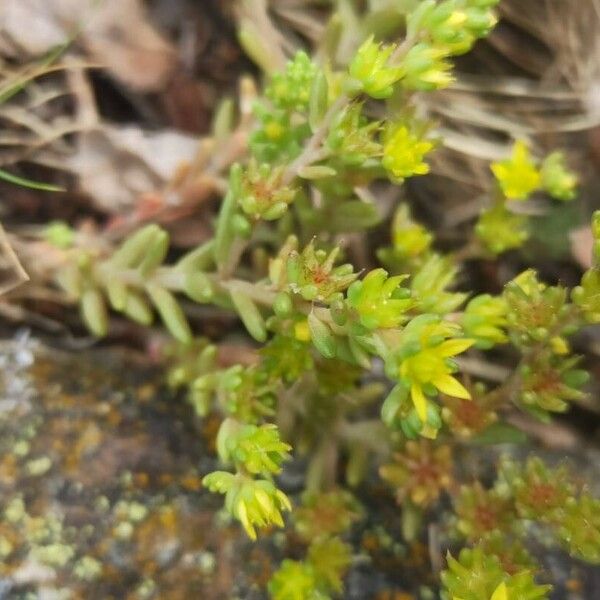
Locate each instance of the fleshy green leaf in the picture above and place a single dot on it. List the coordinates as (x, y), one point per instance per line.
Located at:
(500, 433)
(317, 106)
(170, 312)
(250, 315)
(94, 313)
(322, 337)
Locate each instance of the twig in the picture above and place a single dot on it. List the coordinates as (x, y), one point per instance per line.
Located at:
(13, 264)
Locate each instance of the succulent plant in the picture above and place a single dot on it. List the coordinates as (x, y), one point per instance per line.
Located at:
(338, 344)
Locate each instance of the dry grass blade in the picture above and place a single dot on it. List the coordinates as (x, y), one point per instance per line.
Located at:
(12, 274)
(538, 78)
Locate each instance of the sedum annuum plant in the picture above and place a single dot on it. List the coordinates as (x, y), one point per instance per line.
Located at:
(356, 366)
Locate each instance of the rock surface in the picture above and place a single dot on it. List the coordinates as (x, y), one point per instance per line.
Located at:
(100, 479)
(101, 497)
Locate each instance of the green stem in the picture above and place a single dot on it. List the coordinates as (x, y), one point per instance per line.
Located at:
(311, 151)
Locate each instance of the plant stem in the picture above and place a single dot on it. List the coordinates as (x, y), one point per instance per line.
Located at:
(402, 50)
(311, 150)
(470, 251)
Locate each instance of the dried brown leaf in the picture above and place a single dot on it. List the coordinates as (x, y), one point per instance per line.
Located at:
(115, 33)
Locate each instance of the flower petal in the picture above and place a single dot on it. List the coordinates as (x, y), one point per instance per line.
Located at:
(419, 401)
(501, 592)
(453, 347)
(451, 386)
(242, 514)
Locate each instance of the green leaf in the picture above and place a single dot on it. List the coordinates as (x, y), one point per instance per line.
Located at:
(226, 438)
(133, 249)
(322, 337)
(357, 464)
(117, 294)
(223, 119)
(206, 359)
(14, 87)
(317, 106)
(550, 232)
(219, 481)
(225, 233)
(316, 172)
(283, 305)
(255, 47)
(392, 404)
(198, 287)
(69, 278)
(250, 315)
(354, 216)
(294, 580)
(28, 183)
(359, 354)
(137, 308)
(155, 253)
(412, 520)
(170, 312)
(94, 313)
(60, 234)
(415, 17)
(330, 559)
(199, 259)
(500, 433)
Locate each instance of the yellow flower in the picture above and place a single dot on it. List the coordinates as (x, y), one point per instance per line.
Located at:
(253, 502)
(302, 331)
(500, 593)
(429, 366)
(274, 130)
(518, 175)
(403, 152)
(258, 504)
(426, 68)
(423, 360)
(559, 345)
